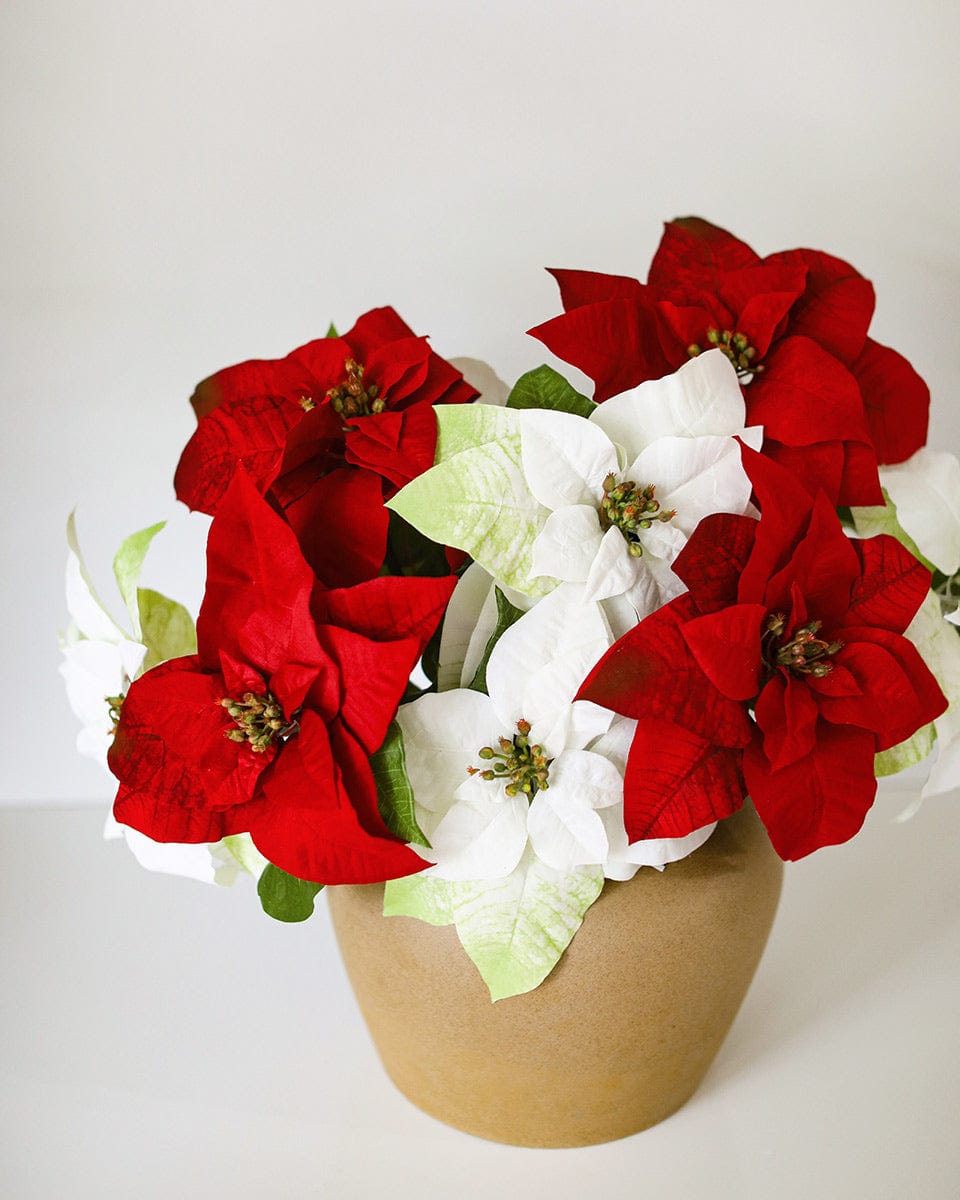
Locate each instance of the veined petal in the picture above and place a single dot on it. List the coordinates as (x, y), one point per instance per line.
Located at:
(564, 829)
(695, 477)
(565, 458)
(442, 735)
(482, 836)
(614, 570)
(568, 543)
(702, 398)
(926, 491)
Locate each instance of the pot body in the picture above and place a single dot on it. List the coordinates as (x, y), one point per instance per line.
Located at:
(616, 1038)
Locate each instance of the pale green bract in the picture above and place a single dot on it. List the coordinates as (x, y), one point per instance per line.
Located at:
(476, 497)
(514, 929)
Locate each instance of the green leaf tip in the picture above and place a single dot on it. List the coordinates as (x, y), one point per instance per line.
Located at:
(394, 792)
(543, 387)
(507, 614)
(284, 897)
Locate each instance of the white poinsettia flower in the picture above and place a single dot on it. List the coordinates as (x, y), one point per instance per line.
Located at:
(526, 763)
(624, 490)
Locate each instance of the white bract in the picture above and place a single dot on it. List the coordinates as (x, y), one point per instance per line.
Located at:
(538, 496)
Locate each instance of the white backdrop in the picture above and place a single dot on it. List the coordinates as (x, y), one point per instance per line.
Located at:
(186, 185)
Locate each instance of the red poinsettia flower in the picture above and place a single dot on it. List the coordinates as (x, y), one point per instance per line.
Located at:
(788, 619)
(327, 433)
(833, 403)
(268, 729)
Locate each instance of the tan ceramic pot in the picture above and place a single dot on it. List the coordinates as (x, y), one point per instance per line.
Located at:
(616, 1038)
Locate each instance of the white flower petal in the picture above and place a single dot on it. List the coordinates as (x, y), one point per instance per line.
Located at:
(624, 858)
(614, 570)
(568, 543)
(695, 477)
(466, 624)
(702, 398)
(615, 742)
(926, 491)
(565, 834)
(482, 836)
(442, 733)
(565, 458)
(171, 858)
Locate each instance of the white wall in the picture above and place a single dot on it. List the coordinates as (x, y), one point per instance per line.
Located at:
(186, 185)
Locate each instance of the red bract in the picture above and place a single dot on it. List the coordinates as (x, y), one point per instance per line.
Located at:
(788, 621)
(833, 403)
(268, 729)
(327, 433)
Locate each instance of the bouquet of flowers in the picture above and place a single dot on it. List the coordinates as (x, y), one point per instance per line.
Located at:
(498, 645)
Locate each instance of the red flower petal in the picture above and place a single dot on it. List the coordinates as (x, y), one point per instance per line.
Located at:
(824, 566)
(837, 303)
(787, 714)
(398, 369)
(285, 378)
(761, 297)
(588, 287)
(819, 800)
(694, 252)
(785, 509)
(249, 433)
(257, 601)
(726, 645)
(896, 402)
(651, 672)
(817, 468)
(397, 445)
(615, 342)
(388, 608)
(714, 558)
(341, 526)
(305, 821)
(892, 586)
(677, 781)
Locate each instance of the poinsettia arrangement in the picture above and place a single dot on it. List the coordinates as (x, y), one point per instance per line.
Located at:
(496, 646)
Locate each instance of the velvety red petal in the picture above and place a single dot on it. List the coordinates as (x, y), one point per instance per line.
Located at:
(714, 558)
(824, 565)
(325, 360)
(901, 694)
(341, 525)
(787, 714)
(817, 468)
(178, 771)
(398, 369)
(285, 378)
(859, 480)
(761, 297)
(677, 781)
(375, 328)
(685, 325)
(257, 602)
(892, 586)
(785, 509)
(588, 287)
(726, 645)
(306, 823)
(805, 395)
(821, 799)
(652, 673)
(398, 446)
(896, 402)
(244, 433)
(837, 304)
(615, 342)
(694, 252)
(388, 608)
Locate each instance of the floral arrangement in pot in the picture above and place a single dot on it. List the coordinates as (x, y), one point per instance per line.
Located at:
(480, 655)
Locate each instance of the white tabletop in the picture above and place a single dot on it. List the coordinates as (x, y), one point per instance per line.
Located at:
(162, 1038)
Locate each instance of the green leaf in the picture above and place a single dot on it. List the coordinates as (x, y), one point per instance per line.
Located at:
(127, 565)
(332, 331)
(544, 387)
(871, 521)
(167, 629)
(514, 929)
(394, 793)
(905, 754)
(241, 848)
(284, 897)
(476, 496)
(507, 614)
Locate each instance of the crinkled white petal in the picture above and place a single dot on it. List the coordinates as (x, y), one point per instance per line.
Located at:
(655, 586)
(568, 543)
(625, 858)
(694, 477)
(615, 742)
(171, 858)
(465, 622)
(926, 491)
(482, 836)
(614, 570)
(702, 398)
(442, 733)
(565, 458)
(539, 663)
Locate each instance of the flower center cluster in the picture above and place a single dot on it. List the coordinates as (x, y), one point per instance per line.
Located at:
(350, 398)
(803, 654)
(524, 768)
(736, 346)
(631, 509)
(259, 719)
